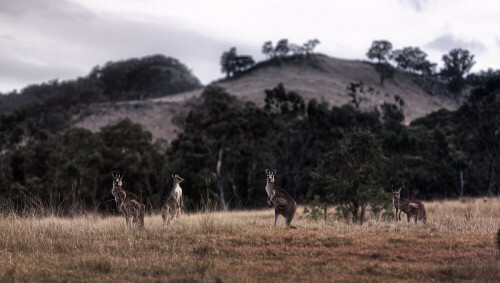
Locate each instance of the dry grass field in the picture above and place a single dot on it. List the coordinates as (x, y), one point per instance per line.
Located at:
(456, 244)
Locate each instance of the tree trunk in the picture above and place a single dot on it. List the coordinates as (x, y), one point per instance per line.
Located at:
(249, 180)
(325, 208)
(461, 183)
(220, 186)
(490, 176)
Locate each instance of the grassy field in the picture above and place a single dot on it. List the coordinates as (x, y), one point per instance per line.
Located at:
(456, 244)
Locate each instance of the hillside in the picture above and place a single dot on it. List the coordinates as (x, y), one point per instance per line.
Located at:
(324, 78)
(135, 78)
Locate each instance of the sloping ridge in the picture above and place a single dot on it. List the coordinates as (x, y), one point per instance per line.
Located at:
(323, 78)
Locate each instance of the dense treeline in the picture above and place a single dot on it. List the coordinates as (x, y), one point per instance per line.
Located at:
(226, 144)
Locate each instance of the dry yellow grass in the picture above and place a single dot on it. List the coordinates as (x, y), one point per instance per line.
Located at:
(456, 244)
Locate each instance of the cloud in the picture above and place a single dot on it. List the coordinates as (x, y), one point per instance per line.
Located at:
(446, 42)
(47, 8)
(59, 39)
(497, 40)
(418, 5)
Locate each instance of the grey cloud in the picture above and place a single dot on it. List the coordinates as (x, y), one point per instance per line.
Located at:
(7, 37)
(47, 8)
(16, 69)
(446, 42)
(418, 5)
(84, 39)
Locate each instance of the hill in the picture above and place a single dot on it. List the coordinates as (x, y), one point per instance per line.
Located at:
(323, 78)
(136, 78)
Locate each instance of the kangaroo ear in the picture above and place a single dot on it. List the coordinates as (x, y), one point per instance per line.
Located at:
(267, 171)
(274, 172)
(399, 190)
(173, 176)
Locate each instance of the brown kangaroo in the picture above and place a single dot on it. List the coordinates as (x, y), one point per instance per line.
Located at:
(283, 203)
(172, 207)
(412, 208)
(128, 203)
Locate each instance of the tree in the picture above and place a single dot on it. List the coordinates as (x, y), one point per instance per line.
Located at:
(381, 51)
(282, 49)
(310, 45)
(414, 60)
(232, 64)
(351, 176)
(457, 63)
(227, 62)
(480, 122)
(268, 49)
(393, 115)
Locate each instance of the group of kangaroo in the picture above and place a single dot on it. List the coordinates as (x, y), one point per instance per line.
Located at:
(133, 209)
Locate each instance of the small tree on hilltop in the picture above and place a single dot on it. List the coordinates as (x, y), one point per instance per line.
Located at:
(350, 176)
(457, 63)
(310, 45)
(282, 49)
(227, 62)
(414, 60)
(232, 64)
(381, 51)
(268, 49)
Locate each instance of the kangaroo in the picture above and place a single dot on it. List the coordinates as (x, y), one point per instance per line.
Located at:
(172, 207)
(412, 208)
(127, 203)
(283, 203)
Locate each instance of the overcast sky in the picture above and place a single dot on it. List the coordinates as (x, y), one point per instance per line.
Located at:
(42, 40)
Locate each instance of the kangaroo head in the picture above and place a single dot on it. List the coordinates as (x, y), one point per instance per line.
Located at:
(270, 175)
(117, 180)
(177, 179)
(396, 193)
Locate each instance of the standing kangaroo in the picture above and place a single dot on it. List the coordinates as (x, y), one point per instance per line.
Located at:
(128, 203)
(283, 203)
(412, 208)
(172, 207)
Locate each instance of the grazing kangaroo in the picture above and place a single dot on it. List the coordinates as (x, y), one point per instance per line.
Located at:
(283, 203)
(128, 203)
(412, 208)
(172, 207)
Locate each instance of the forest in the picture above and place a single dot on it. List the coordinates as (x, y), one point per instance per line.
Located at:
(226, 145)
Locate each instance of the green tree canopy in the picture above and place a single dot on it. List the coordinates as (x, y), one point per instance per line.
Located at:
(457, 63)
(380, 50)
(350, 176)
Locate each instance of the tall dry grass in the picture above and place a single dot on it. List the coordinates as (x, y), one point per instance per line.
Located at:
(457, 243)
